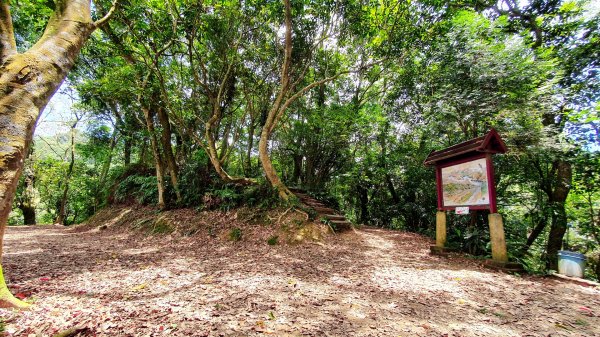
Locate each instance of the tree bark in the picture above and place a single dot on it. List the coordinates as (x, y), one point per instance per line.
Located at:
(27, 82)
(27, 202)
(143, 151)
(363, 198)
(60, 218)
(297, 171)
(276, 110)
(127, 150)
(168, 151)
(28, 214)
(557, 232)
(158, 162)
(558, 197)
(250, 145)
(105, 168)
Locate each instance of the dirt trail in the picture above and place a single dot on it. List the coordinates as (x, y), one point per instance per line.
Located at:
(370, 283)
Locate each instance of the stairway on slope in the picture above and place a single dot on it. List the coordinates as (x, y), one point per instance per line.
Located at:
(326, 214)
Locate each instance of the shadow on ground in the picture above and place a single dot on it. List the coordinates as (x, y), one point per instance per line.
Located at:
(372, 282)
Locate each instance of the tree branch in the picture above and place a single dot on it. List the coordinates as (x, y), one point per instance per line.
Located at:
(119, 43)
(8, 46)
(285, 76)
(301, 92)
(101, 22)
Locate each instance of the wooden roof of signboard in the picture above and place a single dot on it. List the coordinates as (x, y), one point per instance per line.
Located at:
(490, 143)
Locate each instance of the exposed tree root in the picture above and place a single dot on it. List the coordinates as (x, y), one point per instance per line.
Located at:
(7, 300)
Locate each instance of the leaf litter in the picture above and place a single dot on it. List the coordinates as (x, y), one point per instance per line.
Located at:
(371, 282)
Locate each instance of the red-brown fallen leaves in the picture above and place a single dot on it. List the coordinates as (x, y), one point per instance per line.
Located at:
(369, 283)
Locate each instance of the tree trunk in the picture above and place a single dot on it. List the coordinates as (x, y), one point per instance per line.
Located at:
(363, 198)
(27, 82)
(27, 203)
(297, 172)
(105, 168)
(392, 189)
(248, 161)
(60, 219)
(277, 110)
(263, 155)
(28, 214)
(127, 150)
(558, 198)
(557, 232)
(158, 163)
(283, 100)
(168, 151)
(143, 151)
(309, 169)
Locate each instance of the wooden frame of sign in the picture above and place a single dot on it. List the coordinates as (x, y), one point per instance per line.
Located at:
(465, 173)
(465, 180)
(467, 183)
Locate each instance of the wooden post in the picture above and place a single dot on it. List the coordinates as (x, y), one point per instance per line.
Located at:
(440, 229)
(497, 238)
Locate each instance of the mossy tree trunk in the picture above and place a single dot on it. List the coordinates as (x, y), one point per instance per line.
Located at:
(27, 82)
(168, 151)
(158, 160)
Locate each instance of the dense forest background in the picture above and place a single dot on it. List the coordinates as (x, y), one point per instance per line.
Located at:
(216, 104)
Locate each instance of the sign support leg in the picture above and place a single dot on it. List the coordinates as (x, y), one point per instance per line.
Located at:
(440, 229)
(499, 253)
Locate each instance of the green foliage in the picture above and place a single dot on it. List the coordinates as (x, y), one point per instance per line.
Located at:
(235, 234)
(466, 236)
(141, 188)
(229, 196)
(161, 226)
(30, 21)
(15, 217)
(196, 177)
(476, 241)
(273, 240)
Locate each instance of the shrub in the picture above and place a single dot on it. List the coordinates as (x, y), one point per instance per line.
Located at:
(273, 240)
(229, 196)
(195, 178)
(235, 234)
(141, 188)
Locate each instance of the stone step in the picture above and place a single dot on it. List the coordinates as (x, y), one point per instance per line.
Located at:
(323, 210)
(337, 221)
(334, 217)
(340, 225)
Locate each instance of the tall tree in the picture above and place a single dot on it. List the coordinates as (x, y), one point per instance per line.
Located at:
(60, 217)
(293, 80)
(27, 82)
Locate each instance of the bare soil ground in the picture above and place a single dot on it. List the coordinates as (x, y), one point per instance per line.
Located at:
(371, 282)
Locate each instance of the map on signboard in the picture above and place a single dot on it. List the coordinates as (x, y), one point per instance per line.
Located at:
(466, 184)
